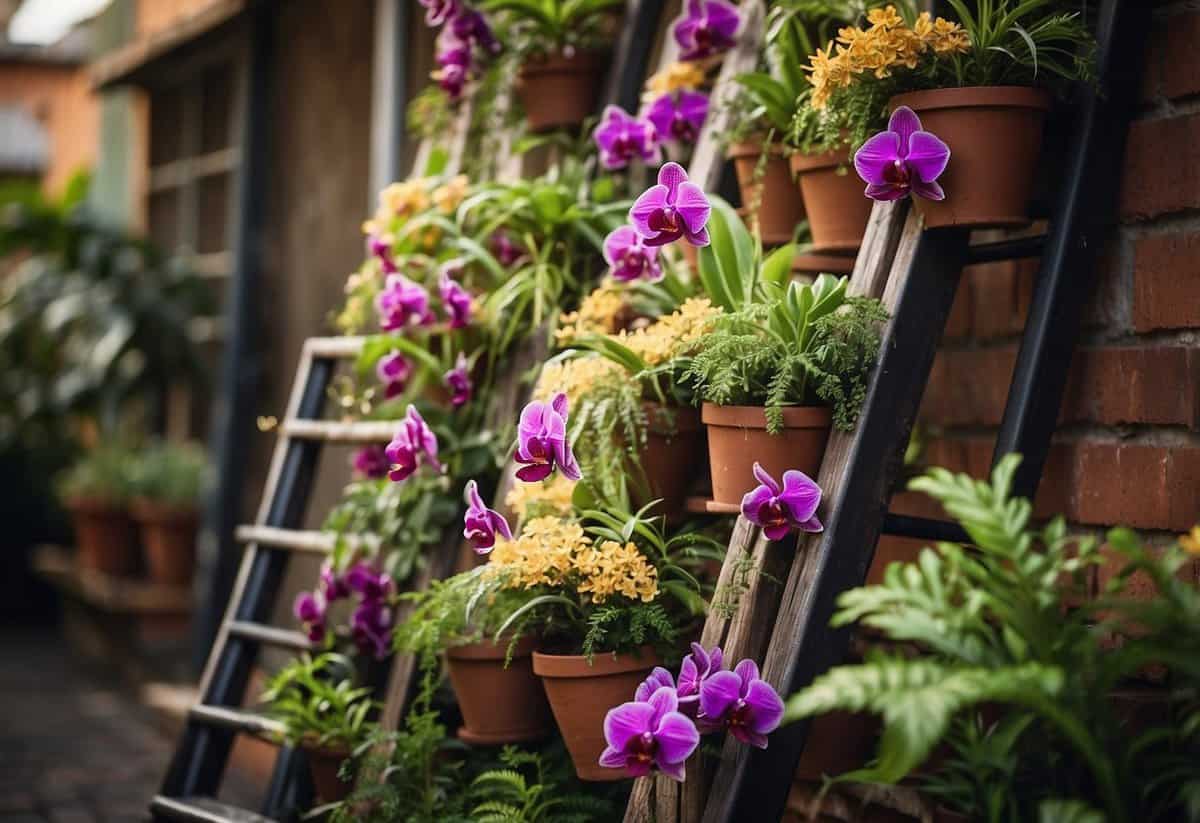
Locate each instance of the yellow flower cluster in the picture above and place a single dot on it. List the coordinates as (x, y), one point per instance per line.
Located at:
(680, 75)
(551, 551)
(448, 196)
(574, 377)
(551, 495)
(886, 45)
(411, 197)
(599, 313)
(1191, 541)
(671, 334)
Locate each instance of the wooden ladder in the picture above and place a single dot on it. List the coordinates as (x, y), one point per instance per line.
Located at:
(915, 272)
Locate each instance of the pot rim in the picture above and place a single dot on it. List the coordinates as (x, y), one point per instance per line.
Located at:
(801, 163)
(755, 417)
(754, 146)
(579, 63)
(687, 419)
(333, 752)
(974, 97)
(487, 650)
(97, 505)
(576, 666)
(143, 508)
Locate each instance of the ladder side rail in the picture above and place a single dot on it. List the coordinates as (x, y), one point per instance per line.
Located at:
(1083, 217)
(635, 41)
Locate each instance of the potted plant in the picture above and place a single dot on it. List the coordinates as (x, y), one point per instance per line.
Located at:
(323, 712)
(1015, 671)
(96, 492)
(169, 481)
(561, 48)
(783, 364)
(981, 85)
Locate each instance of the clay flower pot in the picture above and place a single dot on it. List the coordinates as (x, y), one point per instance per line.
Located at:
(557, 91)
(673, 453)
(833, 197)
(499, 705)
(168, 539)
(105, 536)
(737, 438)
(323, 765)
(780, 207)
(995, 136)
(581, 695)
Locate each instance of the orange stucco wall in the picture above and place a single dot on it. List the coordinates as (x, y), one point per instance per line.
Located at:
(61, 99)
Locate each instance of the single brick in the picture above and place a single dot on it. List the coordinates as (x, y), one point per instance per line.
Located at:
(1166, 288)
(1150, 186)
(1172, 60)
(1151, 384)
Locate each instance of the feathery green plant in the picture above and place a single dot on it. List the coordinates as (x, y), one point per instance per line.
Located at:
(316, 700)
(530, 787)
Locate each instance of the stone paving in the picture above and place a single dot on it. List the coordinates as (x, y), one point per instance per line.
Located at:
(75, 745)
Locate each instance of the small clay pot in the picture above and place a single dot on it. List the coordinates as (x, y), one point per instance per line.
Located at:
(995, 135)
(737, 438)
(780, 207)
(105, 536)
(673, 454)
(837, 208)
(323, 766)
(499, 705)
(168, 539)
(558, 91)
(580, 696)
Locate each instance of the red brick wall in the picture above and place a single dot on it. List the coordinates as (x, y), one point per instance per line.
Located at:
(1127, 450)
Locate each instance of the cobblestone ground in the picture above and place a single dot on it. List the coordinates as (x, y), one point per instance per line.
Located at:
(75, 745)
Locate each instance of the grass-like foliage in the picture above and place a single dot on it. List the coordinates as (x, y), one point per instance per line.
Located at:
(549, 26)
(531, 787)
(1006, 623)
(316, 700)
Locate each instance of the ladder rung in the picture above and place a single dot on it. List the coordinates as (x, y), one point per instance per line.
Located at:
(297, 540)
(202, 810)
(335, 347)
(924, 528)
(1016, 249)
(270, 635)
(237, 719)
(365, 431)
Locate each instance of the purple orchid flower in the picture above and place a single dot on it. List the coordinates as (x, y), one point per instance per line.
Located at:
(364, 580)
(453, 58)
(414, 443)
(739, 701)
(455, 299)
(402, 303)
(506, 251)
(646, 736)
(671, 209)
(679, 116)
(393, 371)
(654, 681)
(469, 26)
(458, 381)
(438, 11)
(371, 462)
(696, 668)
(903, 160)
(371, 628)
(481, 524)
(333, 585)
(622, 137)
(380, 248)
(542, 441)
(778, 510)
(309, 609)
(706, 27)
(629, 258)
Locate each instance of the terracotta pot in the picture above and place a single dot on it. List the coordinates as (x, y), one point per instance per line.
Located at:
(837, 208)
(323, 766)
(781, 206)
(168, 539)
(737, 437)
(499, 705)
(672, 456)
(581, 694)
(105, 536)
(995, 136)
(838, 742)
(559, 92)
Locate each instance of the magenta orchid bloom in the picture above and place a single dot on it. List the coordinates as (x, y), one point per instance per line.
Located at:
(742, 703)
(621, 137)
(506, 251)
(903, 160)
(705, 28)
(453, 58)
(455, 299)
(364, 580)
(371, 627)
(371, 462)
(458, 381)
(438, 11)
(470, 26)
(649, 736)
(481, 524)
(696, 668)
(309, 609)
(679, 115)
(414, 444)
(333, 585)
(657, 679)
(778, 510)
(393, 371)
(671, 209)
(381, 249)
(542, 441)
(402, 303)
(629, 258)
